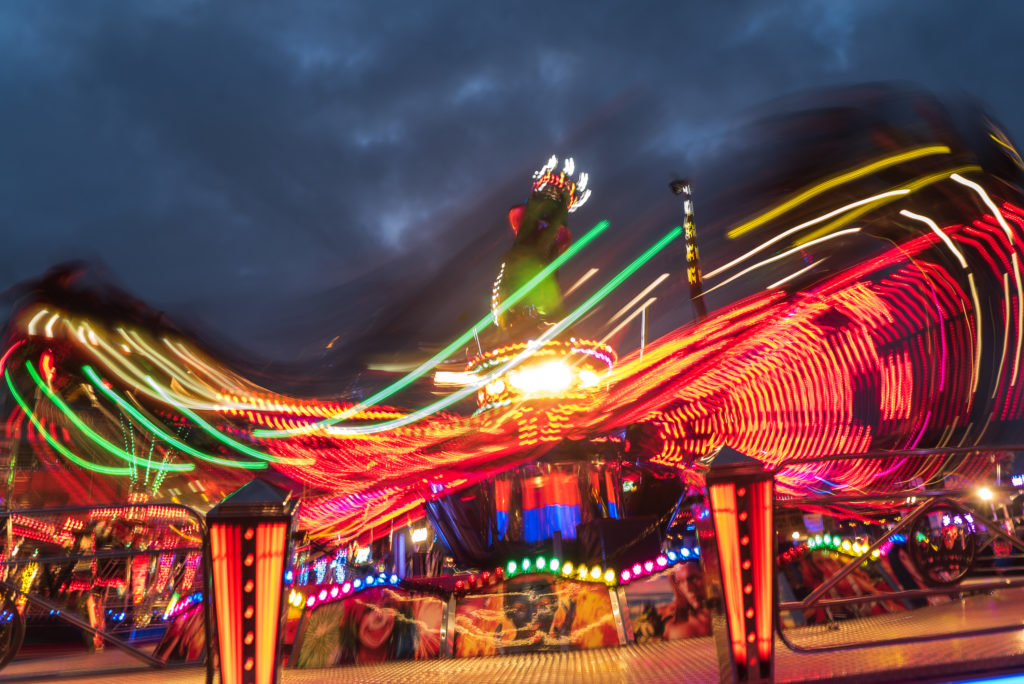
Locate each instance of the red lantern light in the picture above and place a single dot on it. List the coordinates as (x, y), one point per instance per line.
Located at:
(739, 538)
(249, 535)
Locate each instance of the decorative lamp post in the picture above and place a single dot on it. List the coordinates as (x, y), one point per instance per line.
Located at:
(249, 549)
(737, 540)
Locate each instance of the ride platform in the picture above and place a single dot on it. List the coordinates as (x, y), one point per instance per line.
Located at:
(940, 655)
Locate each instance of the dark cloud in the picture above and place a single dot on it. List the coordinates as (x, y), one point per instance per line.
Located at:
(248, 164)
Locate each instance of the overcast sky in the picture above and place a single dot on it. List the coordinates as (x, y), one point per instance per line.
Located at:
(226, 161)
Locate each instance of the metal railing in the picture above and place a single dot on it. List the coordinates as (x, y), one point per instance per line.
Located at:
(927, 501)
(20, 551)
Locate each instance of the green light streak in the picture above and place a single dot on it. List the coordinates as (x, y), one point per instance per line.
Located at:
(564, 324)
(220, 436)
(160, 433)
(623, 274)
(428, 365)
(60, 448)
(93, 435)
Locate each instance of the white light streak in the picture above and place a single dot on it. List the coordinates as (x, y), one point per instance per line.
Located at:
(643, 293)
(586, 276)
(988, 202)
(998, 215)
(938, 231)
(748, 269)
(794, 275)
(48, 330)
(977, 324)
(626, 322)
(35, 319)
(800, 227)
(1020, 316)
(1006, 332)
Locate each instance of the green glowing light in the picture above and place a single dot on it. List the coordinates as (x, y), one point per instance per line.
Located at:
(57, 446)
(551, 333)
(618, 279)
(214, 432)
(96, 438)
(445, 353)
(160, 433)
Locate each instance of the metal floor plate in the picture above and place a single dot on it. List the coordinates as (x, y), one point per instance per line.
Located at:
(693, 660)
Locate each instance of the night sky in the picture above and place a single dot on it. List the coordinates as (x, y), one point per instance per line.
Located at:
(277, 174)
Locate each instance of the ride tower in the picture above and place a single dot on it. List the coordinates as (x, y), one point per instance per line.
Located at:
(570, 500)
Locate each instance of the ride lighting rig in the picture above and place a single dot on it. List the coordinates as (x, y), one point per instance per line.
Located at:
(556, 369)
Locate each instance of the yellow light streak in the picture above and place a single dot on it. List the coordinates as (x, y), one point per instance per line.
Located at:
(912, 187)
(836, 181)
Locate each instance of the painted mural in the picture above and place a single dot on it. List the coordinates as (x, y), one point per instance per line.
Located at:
(533, 613)
(669, 605)
(375, 625)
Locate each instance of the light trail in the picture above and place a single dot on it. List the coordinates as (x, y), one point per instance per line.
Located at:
(57, 446)
(94, 436)
(783, 255)
(938, 231)
(224, 439)
(551, 333)
(836, 181)
(628, 319)
(586, 276)
(431, 363)
(794, 275)
(643, 293)
(160, 433)
(868, 208)
(806, 224)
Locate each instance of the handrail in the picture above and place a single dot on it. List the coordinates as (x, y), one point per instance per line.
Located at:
(930, 499)
(910, 593)
(853, 565)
